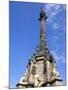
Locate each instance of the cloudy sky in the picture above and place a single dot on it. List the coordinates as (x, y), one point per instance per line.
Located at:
(24, 36)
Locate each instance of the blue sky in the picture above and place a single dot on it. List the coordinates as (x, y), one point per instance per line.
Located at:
(24, 31)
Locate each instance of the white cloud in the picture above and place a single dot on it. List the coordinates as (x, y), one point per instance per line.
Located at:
(56, 26)
(55, 37)
(54, 41)
(58, 58)
(52, 10)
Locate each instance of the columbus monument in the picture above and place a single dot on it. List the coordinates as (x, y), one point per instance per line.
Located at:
(41, 70)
